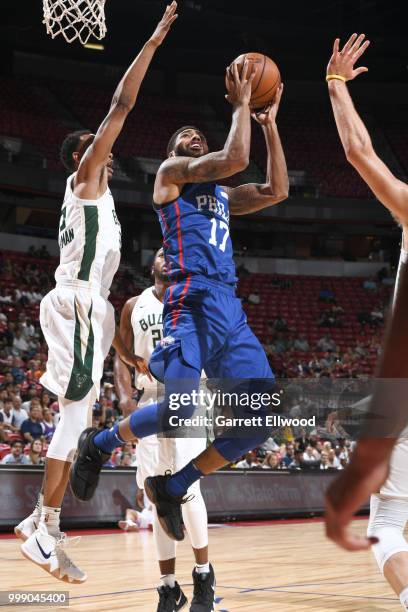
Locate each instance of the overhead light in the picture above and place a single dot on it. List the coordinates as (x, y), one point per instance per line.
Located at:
(94, 46)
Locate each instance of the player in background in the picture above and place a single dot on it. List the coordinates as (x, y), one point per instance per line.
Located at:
(203, 321)
(76, 317)
(368, 469)
(141, 327)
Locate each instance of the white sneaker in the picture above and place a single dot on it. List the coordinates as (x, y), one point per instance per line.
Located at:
(27, 527)
(48, 552)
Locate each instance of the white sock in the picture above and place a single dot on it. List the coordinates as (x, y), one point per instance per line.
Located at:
(50, 517)
(169, 580)
(404, 598)
(36, 513)
(203, 568)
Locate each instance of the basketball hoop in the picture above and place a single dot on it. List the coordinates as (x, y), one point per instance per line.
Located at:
(75, 19)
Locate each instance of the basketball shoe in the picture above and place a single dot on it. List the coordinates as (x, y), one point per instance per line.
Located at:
(85, 470)
(27, 527)
(168, 506)
(171, 599)
(48, 552)
(204, 591)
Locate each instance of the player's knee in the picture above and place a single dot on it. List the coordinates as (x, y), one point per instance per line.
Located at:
(390, 542)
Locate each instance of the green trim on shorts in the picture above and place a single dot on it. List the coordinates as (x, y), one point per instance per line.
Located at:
(80, 382)
(91, 232)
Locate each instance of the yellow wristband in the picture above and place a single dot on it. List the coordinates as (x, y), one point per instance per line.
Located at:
(338, 77)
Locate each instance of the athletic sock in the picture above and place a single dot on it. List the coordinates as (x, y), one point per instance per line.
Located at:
(404, 598)
(108, 439)
(203, 568)
(178, 484)
(50, 517)
(36, 513)
(142, 423)
(168, 580)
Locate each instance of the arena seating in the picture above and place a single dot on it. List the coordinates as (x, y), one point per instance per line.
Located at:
(308, 132)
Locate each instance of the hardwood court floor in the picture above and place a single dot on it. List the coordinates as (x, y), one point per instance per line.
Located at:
(289, 567)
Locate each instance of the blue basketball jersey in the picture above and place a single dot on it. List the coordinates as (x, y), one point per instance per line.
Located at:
(196, 238)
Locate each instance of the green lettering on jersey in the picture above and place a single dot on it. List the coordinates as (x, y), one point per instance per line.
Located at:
(91, 232)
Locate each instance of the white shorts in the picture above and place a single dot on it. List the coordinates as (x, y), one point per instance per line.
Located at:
(155, 455)
(78, 326)
(396, 484)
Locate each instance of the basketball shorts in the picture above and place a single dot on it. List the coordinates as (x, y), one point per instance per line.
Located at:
(206, 321)
(396, 485)
(79, 327)
(157, 454)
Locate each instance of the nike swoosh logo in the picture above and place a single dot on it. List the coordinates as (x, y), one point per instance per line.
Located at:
(178, 600)
(44, 554)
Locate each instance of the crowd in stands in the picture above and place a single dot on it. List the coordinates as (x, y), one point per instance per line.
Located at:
(29, 414)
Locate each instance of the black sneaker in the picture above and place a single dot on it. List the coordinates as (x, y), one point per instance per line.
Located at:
(84, 472)
(168, 506)
(171, 599)
(204, 591)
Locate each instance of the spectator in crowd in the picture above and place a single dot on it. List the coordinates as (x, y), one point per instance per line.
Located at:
(296, 464)
(250, 461)
(5, 296)
(270, 445)
(272, 461)
(326, 344)
(334, 462)
(16, 455)
(30, 394)
(48, 423)
(19, 414)
(309, 455)
(280, 324)
(35, 453)
(376, 316)
(8, 425)
(324, 460)
(370, 284)
(289, 455)
(32, 428)
(254, 298)
(303, 440)
(20, 344)
(301, 344)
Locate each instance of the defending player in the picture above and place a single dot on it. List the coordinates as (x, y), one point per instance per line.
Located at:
(389, 505)
(142, 330)
(204, 323)
(76, 317)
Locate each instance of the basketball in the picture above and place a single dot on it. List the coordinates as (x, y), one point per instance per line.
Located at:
(266, 80)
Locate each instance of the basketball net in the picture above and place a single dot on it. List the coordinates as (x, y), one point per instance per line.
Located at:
(75, 19)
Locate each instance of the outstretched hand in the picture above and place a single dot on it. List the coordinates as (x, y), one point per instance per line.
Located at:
(164, 24)
(267, 115)
(342, 62)
(239, 87)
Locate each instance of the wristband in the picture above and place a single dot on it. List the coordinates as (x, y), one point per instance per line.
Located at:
(338, 77)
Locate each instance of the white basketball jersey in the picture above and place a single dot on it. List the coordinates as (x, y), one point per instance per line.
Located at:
(89, 240)
(403, 260)
(147, 324)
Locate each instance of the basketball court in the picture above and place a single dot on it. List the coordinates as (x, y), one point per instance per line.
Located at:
(263, 566)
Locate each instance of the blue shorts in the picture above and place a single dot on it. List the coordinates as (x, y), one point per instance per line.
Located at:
(206, 321)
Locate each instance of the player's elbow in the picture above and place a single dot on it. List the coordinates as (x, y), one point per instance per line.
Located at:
(356, 151)
(240, 163)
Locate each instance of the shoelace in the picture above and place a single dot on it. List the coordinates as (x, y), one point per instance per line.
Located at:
(63, 541)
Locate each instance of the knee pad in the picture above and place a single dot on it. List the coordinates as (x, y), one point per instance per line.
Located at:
(165, 547)
(388, 518)
(75, 416)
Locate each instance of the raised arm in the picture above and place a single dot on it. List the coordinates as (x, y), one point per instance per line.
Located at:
(249, 198)
(123, 101)
(123, 372)
(354, 136)
(234, 157)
